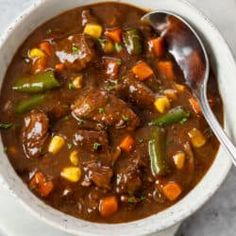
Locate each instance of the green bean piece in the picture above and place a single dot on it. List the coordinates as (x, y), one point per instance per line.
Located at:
(133, 42)
(29, 104)
(36, 83)
(175, 115)
(157, 152)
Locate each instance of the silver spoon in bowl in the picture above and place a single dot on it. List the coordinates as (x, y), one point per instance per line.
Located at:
(190, 54)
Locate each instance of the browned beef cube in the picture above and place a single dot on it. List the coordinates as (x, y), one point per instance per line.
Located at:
(128, 179)
(76, 51)
(34, 133)
(99, 174)
(105, 108)
(91, 141)
(136, 91)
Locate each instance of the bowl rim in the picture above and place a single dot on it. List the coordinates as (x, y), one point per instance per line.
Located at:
(67, 222)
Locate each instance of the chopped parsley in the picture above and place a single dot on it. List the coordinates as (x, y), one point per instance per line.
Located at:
(125, 118)
(101, 110)
(118, 47)
(96, 146)
(140, 140)
(75, 49)
(132, 200)
(71, 86)
(6, 125)
(69, 145)
(49, 31)
(183, 121)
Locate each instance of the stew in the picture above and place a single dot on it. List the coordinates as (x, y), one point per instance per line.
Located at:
(97, 119)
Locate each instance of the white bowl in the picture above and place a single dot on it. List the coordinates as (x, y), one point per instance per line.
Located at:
(225, 69)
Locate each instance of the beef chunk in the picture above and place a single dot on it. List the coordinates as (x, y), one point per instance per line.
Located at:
(34, 133)
(105, 108)
(136, 91)
(91, 141)
(128, 178)
(75, 52)
(99, 174)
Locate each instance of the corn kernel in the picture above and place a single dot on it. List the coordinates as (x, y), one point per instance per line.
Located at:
(180, 87)
(179, 160)
(74, 158)
(36, 53)
(56, 144)
(108, 47)
(77, 82)
(162, 104)
(93, 30)
(72, 174)
(197, 138)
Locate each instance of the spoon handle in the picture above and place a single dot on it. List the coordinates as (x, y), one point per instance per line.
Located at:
(216, 127)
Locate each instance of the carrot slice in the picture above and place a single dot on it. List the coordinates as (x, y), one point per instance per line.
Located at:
(166, 69)
(142, 70)
(195, 105)
(46, 47)
(157, 46)
(40, 65)
(127, 143)
(39, 183)
(45, 189)
(114, 34)
(108, 206)
(60, 67)
(172, 191)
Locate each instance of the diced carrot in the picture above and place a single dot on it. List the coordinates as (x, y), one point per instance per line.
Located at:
(38, 179)
(39, 183)
(39, 65)
(114, 34)
(157, 46)
(172, 191)
(166, 69)
(60, 67)
(127, 143)
(195, 105)
(108, 206)
(45, 189)
(46, 47)
(142, 70)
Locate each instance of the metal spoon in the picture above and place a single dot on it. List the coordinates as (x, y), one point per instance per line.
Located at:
(189, 52)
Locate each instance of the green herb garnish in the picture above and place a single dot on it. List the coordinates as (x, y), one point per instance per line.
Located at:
(101, 110)
(125, 118)
(69, 145)
(96, 146)
(75, 49)
(6, 125)
(118, 47)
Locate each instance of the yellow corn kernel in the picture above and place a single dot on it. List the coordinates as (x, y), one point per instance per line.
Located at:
(72, 174)
(108, 47)
(180, 87)
(162, 104)
(93, 30)
(74, 158)
(56, 144)
(36, 53)
(197, 138)
(179, 160)
(77, 82)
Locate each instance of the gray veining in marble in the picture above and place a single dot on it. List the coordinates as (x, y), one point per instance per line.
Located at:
(218, 216)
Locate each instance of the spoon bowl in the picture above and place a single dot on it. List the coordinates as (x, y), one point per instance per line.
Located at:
(186, 46)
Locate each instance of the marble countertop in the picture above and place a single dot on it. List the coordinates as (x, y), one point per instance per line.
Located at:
(218, 216)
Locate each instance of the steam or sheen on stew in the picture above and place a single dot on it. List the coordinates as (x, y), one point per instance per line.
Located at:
(97, 120)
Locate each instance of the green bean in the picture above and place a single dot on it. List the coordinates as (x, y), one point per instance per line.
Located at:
(175, 115)
(157, 152)
(29, 104)
(36, 83)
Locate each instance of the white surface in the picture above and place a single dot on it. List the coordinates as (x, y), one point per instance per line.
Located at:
(16, 209)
